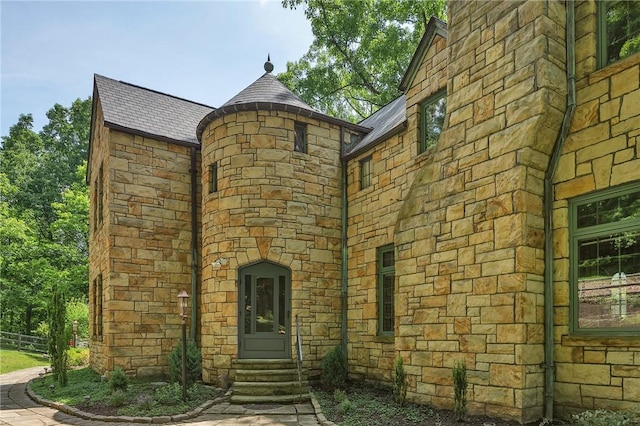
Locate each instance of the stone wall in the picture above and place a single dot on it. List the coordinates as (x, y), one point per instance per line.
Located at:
(148, 212)
(469, 236)
(99, 265)
(601, 151)
(372, 215)
(272, 204)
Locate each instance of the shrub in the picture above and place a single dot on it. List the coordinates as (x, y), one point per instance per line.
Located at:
(170, 394)
(194, 363)
(400, 382)
(604, 418)
(334, 369)
(339, 395)
(118, 380)
(117, 399)
(460, 389)
(78, 357)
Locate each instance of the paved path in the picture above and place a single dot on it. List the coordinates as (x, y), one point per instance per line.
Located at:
(17, 409)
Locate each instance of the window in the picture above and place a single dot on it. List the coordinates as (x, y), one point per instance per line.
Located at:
(605, 261)
(365, 173)
(100, 199)
(213, 178)
(432, 113)
(97, 306)
(386, 283)
(618, 30)
(300, 137)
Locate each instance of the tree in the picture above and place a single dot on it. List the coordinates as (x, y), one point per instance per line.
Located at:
(44, 206)
(360, 52)
(58, 342)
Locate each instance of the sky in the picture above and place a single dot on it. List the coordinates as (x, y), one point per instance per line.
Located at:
(203, 51)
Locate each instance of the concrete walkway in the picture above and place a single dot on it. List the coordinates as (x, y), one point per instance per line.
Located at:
(17, 409)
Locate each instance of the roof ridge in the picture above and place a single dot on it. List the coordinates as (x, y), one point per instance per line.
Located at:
(156, 91)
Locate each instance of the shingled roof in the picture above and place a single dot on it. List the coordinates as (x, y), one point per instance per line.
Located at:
(145, 112)
(268, 89)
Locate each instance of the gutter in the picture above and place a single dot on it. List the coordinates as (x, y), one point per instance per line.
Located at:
(194, 246)
(549, 367)
(343, 238)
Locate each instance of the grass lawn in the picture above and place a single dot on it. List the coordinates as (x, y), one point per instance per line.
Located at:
(12, 360)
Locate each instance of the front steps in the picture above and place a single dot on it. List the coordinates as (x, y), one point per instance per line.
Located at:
(261, 381)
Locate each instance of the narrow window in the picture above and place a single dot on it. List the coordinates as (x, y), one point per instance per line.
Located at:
(213, 178)
(432, 113)
(300, 137)
(97, 306)
(365, 173)
(618, 30)
(605, 261)
(386, 284)
(95, 205)
(101, 194)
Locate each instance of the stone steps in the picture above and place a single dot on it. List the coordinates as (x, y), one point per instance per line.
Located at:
(264, 381)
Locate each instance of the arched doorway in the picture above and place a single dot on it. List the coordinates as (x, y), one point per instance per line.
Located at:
(264, 301)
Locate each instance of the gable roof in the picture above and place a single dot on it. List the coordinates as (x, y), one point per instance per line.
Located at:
(148, 113)
(385, 122)
(434, 27)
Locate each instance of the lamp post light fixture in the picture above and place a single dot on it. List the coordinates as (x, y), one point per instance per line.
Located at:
(75, 333)
(182, 305)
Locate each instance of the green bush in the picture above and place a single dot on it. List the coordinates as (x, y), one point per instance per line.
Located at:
(339, 395)
(333, 373)
(118, 381)
(460, 390)
(604, 418)
(194, 363)
(170, 394)
(78, 357)
(117, 398)
(400, 383)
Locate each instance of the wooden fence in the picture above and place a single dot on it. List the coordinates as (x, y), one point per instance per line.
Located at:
(23, 342)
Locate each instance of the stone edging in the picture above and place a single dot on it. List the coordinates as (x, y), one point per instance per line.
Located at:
(319, 414)
(120, 419)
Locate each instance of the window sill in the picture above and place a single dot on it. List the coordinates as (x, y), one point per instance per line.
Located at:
(599, 340)
(614, 68)
(384, 339)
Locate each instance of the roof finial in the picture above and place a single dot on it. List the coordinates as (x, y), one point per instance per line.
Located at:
(268, 66)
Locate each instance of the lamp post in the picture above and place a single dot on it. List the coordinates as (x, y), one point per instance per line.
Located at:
(182, 304)
(75, 333)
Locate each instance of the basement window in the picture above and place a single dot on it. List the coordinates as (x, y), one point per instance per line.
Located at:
(618, 30)
(605, 261)
(432, 113)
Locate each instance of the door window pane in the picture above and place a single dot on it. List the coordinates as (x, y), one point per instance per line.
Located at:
(281, 304)
(264, 304)
(248, 301)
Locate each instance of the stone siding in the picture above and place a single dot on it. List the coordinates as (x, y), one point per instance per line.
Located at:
(469, 237)
(601, 151)
(272, 204)
(372, 215)
(148, 212)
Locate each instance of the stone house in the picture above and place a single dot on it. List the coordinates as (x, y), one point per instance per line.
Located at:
(490, 215)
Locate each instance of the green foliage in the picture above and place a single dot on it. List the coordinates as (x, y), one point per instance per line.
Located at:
(339, 395)
(334, 369)
(118, 380)
(194, 363)
(348, 71)
(43, 214)
(400, 383)
(372, 405)
(605, 418)
(58, 343)
(460, 390)
(78, 357)
(117, 398)
(141, 399)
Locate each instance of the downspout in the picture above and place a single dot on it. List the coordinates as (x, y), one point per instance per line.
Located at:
(549, 366)
(194, 246)
(343, 238)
